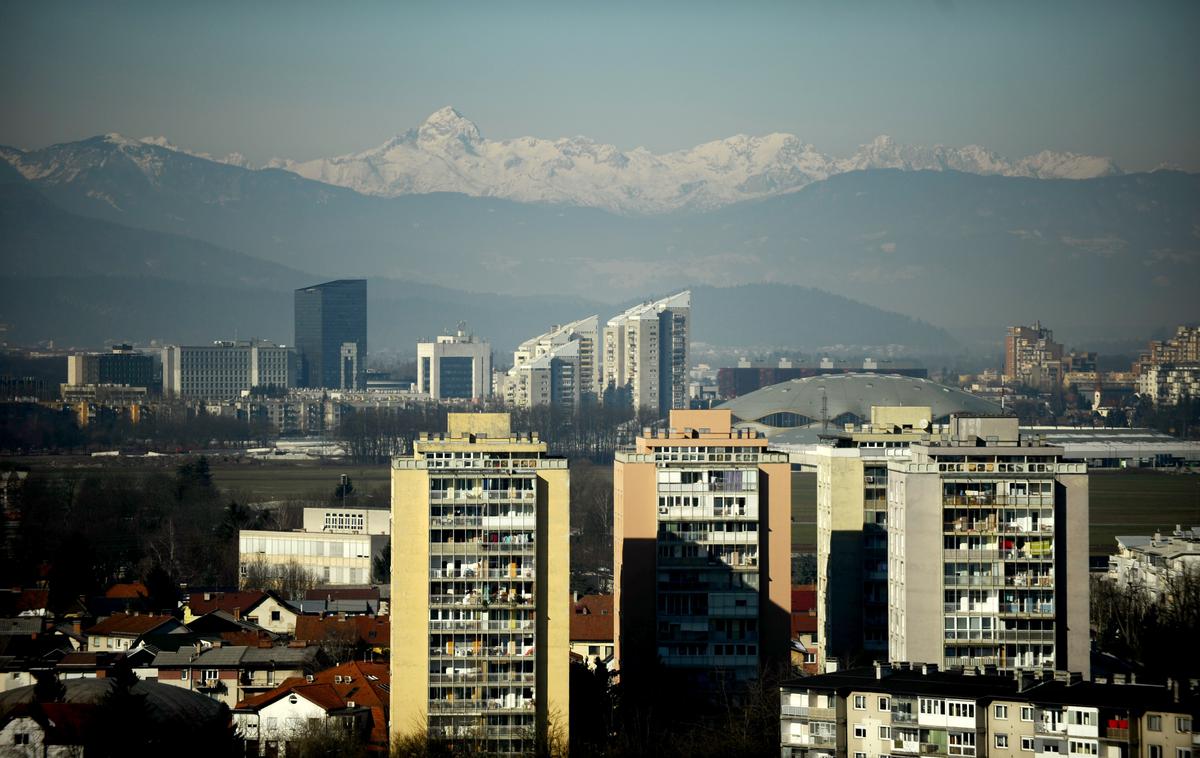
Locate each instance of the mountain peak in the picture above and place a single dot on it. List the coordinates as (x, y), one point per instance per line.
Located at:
(447, 124)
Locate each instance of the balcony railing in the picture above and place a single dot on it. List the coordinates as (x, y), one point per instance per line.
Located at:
(471, 706)
(804, 711)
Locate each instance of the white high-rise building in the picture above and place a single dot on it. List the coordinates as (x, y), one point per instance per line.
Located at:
(559, 367)
(646, 353)
(455, 367)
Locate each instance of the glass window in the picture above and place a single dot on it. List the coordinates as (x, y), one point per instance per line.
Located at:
(1154, 723)
(1001, 711)
(1027, 744)
(860, 702)
(1026, 713)
(860, 732)
(1001, 740)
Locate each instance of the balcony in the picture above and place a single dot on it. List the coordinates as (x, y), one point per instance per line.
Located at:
(1050, 728)
(804, 711)
(473, 676)
(474, 706)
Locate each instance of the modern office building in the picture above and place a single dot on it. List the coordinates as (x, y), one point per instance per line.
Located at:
(224, 370)
(480, 581)
(455, 367)
(852, 555)
(647, 354)
(1032, 357)
(560, 367)
(337, 545)
(919, 710)
(331, 334)
(988, 550)
(122, 366)
(701, 552)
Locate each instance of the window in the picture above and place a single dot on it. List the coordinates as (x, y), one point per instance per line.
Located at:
(860, 702)
(1154, 751)
(860, 755)
(210, 674)
(1083, 748)
(1027, 744)
(21, 738)
(962, 743)
(1183, 752)
(1000, 711)
(961, 710)
(275, 615)
(183, 675)
(1183, 723)
(885, 732)
(1001, 740)
(860, 732)
(1154, 723)
(884, 704)
(1027, 713)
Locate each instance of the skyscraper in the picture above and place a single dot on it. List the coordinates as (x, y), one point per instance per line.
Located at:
(331, 334)
(646, 353)
(701, 552)
(480, 577)
(988, 550)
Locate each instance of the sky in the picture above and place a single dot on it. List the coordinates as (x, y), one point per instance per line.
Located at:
(305, 80)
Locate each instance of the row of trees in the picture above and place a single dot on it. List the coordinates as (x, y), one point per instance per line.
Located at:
(1154, 631)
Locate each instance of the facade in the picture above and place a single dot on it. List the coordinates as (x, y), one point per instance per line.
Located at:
(1170, 383)
(852, 532)
(121, 631)
(225, 370)
(987, 551)
(647, 354)
(559, 367)
(1032, 357)
(480, 567)
(917, 710)
(701, 552)
(352, 695)
(455, 367)
(232, 673)
(592, 629)
(1152, 564)
(331, 334)
(122, 366)
(1184, 347)
(337, 545)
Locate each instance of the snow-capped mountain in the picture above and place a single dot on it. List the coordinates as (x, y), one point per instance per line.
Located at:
(447, 153)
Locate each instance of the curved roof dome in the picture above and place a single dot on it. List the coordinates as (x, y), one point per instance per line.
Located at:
(165, 705)
(848, 398)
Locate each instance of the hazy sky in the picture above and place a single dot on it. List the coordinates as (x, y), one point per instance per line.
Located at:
(306, 80)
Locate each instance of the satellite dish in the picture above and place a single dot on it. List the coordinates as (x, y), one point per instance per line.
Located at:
(923, 423)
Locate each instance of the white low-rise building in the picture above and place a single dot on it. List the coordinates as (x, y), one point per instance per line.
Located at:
(1152, 563)
(337, 546)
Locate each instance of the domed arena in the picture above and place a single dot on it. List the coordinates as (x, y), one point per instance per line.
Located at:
(799, 409)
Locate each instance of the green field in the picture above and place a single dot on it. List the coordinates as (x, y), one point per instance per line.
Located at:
(1121, 502)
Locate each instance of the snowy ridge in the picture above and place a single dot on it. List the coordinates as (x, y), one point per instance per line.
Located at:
(447, 153)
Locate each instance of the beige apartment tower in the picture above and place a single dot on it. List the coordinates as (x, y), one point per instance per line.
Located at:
(701, 552)
(988, 550)
(480, 573)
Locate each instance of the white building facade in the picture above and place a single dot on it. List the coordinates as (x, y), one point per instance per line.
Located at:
(455, 367)
(225, 370)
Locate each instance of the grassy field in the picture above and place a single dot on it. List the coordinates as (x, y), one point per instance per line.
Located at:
(1122, 502)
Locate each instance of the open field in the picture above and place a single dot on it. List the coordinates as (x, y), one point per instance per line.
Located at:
(1122, 502)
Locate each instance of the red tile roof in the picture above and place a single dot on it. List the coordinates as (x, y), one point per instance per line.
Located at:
(367, 688)
(127, 590)
(374, 631)
(32, 600)
(592, 619)
(804, 609)
(242, 602)
(128, 624)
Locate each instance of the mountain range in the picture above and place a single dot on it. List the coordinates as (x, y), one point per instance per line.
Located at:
(447, 153)
(1111, 257)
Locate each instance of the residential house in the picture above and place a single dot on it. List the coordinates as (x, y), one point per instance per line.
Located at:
(45, 730)
(346, 636)
(232, 673)
(121, 631)
(592, 629)
(355, 694)
(267, 609)
(804, 628)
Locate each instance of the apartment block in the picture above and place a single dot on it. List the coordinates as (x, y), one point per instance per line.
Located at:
(1169, 383)
(918, 710)
(987, 550)
(337, 545)
(852, 555)
(1032, 357)
(480, 575)
(1153, 563)
(647, 352)
(559, 367)
(701, 552)
(331, 334)
(455, 367)
(224, 370)
(122, 366)
(1184, 347)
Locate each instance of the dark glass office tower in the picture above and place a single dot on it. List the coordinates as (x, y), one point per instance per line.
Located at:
(331, 334)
